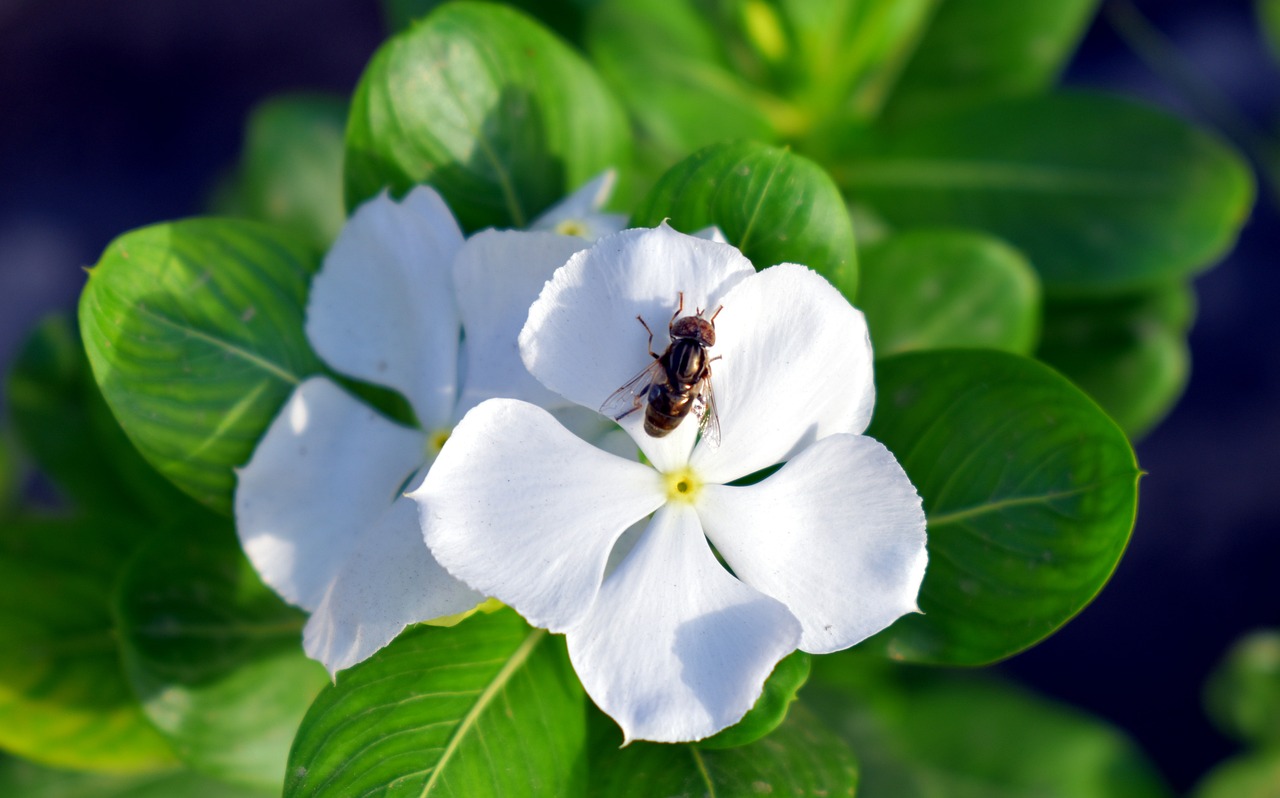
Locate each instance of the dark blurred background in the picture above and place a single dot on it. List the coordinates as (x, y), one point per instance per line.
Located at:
(117, 114)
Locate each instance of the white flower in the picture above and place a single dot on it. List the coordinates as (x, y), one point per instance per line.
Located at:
(825, 552)
(319, 507)
(579, 213)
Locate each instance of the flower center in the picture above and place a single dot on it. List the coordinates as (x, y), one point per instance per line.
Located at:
(436, 440)
(572, 227)
(682, 485)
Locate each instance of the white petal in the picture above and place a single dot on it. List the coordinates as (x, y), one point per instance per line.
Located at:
(523, 510)
(795, 366)
(838, 535)
(389, 581)
(497, 276)
(582, 339)
(675, 648)
(712, 233)
(578, 214)
(382, 308)
(328, 468)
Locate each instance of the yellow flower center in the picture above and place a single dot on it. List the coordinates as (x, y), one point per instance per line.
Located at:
(682, 485)
(436, 440)
(572, 227)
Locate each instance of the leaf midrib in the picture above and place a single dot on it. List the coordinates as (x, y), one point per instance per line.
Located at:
(974, 511)
(222, 344)
(517, 659)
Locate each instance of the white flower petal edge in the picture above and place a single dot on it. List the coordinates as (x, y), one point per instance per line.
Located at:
(582, 339)
(494, 510)
(497, 275)
(795, 366)
(838, 535)
(328, 467)
(579, 213)
(675, 648)
(382, 308)
(389, 581)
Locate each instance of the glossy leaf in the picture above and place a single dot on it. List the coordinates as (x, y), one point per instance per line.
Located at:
(215, 657)
(800, 757)
(1243, 693)
(60, 417)
(290, 172)
(64, 700)
(969, 54)
(1252, 775)
(25, 780)
(770, 709)
(924, 732)
(194, 331)
(1101, 194)
(489, 707)
(1029, 490)
(495, 112)
(774, 205)
(937, 289)
(1128, 352)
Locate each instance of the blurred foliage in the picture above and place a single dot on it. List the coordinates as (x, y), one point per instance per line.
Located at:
(939, 289)
(290, 171)
(1007, 219)
(926, 733)
(1242, 695)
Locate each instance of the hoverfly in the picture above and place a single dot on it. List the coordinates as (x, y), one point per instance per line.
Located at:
(677, 382)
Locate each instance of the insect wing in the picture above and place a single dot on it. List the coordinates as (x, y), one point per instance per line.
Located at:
(631, 396)
(708, 419)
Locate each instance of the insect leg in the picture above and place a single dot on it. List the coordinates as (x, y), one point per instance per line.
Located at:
(646, 329)
(679, 308)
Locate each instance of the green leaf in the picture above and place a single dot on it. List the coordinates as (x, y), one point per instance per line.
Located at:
(1269, 21)
(668, 65)
(1029, 490)
(1102, 195)
(499, 115)
(1128, 352)
(1253, 775)
(695, 73)
(195, 333)
(64, 700)
(922, 732)
(1243, 693)
(969, 55)
(290, 172)
(774, 205)
(489, 707)
(936, 289)
(850, 53)
(800, 757)
(215, 657)
(62, 421)
(24, 779)
(770, 709)
(10, 473)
